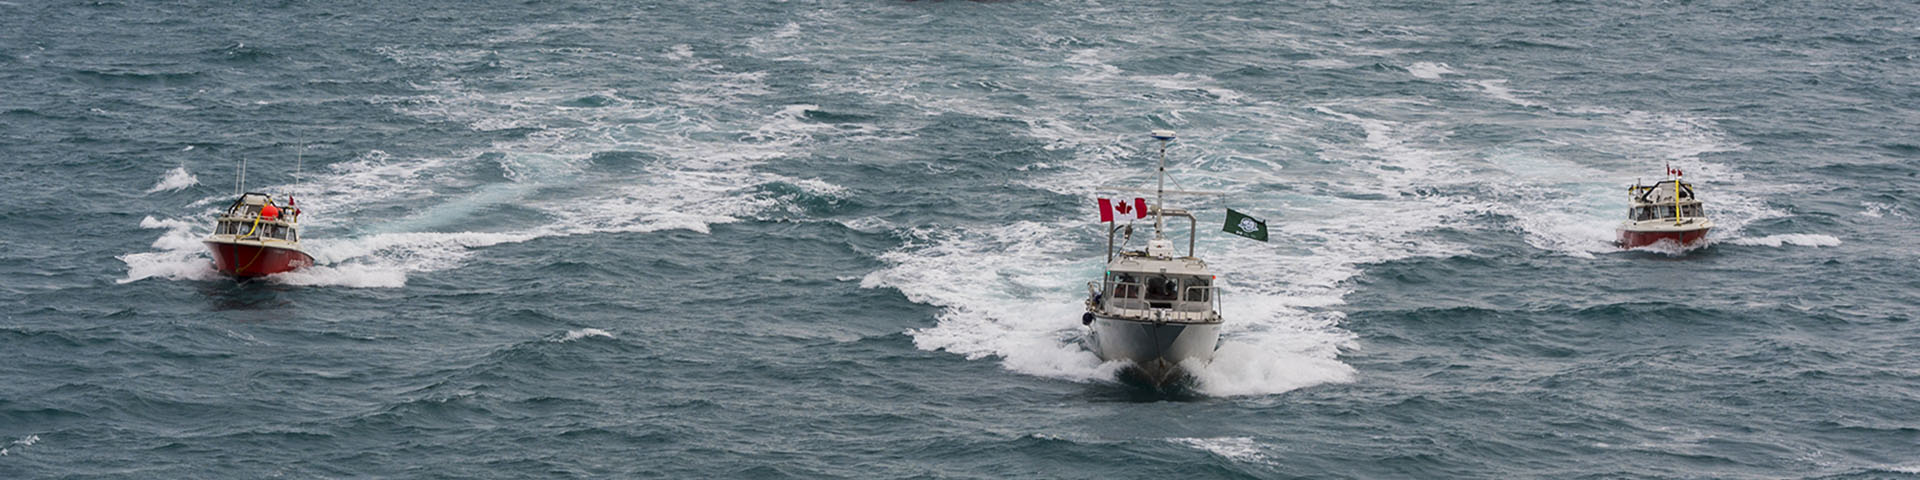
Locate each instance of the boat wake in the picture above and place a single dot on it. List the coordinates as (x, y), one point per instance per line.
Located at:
(596, 162)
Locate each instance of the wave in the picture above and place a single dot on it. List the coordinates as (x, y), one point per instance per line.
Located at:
(1498, 89)
(178, 255)
(572, 335)
(1802, 239)
(1240, 449)
(1429, 70)
(24, 442)
(175, 180)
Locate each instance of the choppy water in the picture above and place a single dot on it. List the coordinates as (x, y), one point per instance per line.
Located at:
(847, 239)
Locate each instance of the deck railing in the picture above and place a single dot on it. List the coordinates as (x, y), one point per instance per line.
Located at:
(1197, 303)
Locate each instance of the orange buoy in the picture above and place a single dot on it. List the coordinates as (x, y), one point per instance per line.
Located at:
(269, 211)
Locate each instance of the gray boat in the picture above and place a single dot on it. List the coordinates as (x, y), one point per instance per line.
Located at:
(1155, 308)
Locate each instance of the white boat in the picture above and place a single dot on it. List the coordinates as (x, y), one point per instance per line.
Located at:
(1156, 308)
(1666, 211)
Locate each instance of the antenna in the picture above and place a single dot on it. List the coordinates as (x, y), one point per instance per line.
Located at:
(241, 187)
(298, 159)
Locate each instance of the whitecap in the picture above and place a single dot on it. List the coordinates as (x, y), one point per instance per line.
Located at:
(176, 179)
(1429, 70)
(28, 441)
(1239, 449)
(572, 335)
(1497, 88)
(1801, 239)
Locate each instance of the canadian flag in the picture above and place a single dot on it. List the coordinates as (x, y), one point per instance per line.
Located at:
(1112, 210)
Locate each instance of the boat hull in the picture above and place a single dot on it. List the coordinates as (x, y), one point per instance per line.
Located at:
(1156, 350)
(250, 260)
(1642, 238)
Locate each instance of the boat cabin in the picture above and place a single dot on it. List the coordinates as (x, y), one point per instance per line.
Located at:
(1139, 286)
(243, 219)
(1157, 282)
(248, 228)
(1664, 200)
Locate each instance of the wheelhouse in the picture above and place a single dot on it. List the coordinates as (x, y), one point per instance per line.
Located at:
(242, 228)
(1143, 290)
(1664, 200)
(243, 220)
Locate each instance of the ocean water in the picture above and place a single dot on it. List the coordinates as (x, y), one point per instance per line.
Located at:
(818, 239)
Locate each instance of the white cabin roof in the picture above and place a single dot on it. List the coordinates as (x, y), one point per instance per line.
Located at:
(1661, 193)
(1133, 262)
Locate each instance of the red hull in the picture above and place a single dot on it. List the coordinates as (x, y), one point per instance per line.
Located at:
(253, 261)
(1687, 238)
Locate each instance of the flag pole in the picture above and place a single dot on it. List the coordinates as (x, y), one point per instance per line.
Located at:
(1110, 229)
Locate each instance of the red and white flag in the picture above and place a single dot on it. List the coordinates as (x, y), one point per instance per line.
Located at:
(1122, 210)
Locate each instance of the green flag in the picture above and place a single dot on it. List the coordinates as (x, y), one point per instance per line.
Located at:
(1245, 226)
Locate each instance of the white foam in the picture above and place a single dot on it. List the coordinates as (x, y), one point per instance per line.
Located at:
(680, 52)
(1324, 63)
(355, 275)
(582, 333)
(1018, 310)
(1802, 239)
(179, 255)
(1429, 70)
(1239, 449)
(1191, 82)
(1013, 291)
(1880, 209)
(1565, 200)
(707, 174)
(178, 178)
(1497, 88)
(28, 441)
(1559, 205)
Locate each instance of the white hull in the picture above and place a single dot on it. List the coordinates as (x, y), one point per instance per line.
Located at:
(1156, 350)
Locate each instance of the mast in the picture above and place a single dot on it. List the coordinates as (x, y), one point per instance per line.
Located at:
(1160, 189)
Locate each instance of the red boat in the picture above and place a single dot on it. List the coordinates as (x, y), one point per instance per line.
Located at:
(1666, 211)
(254, 237)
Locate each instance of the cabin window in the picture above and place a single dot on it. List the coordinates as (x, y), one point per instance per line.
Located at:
(1196, 289)
(1162, 288)
(1125, 286)
(1162, 291)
